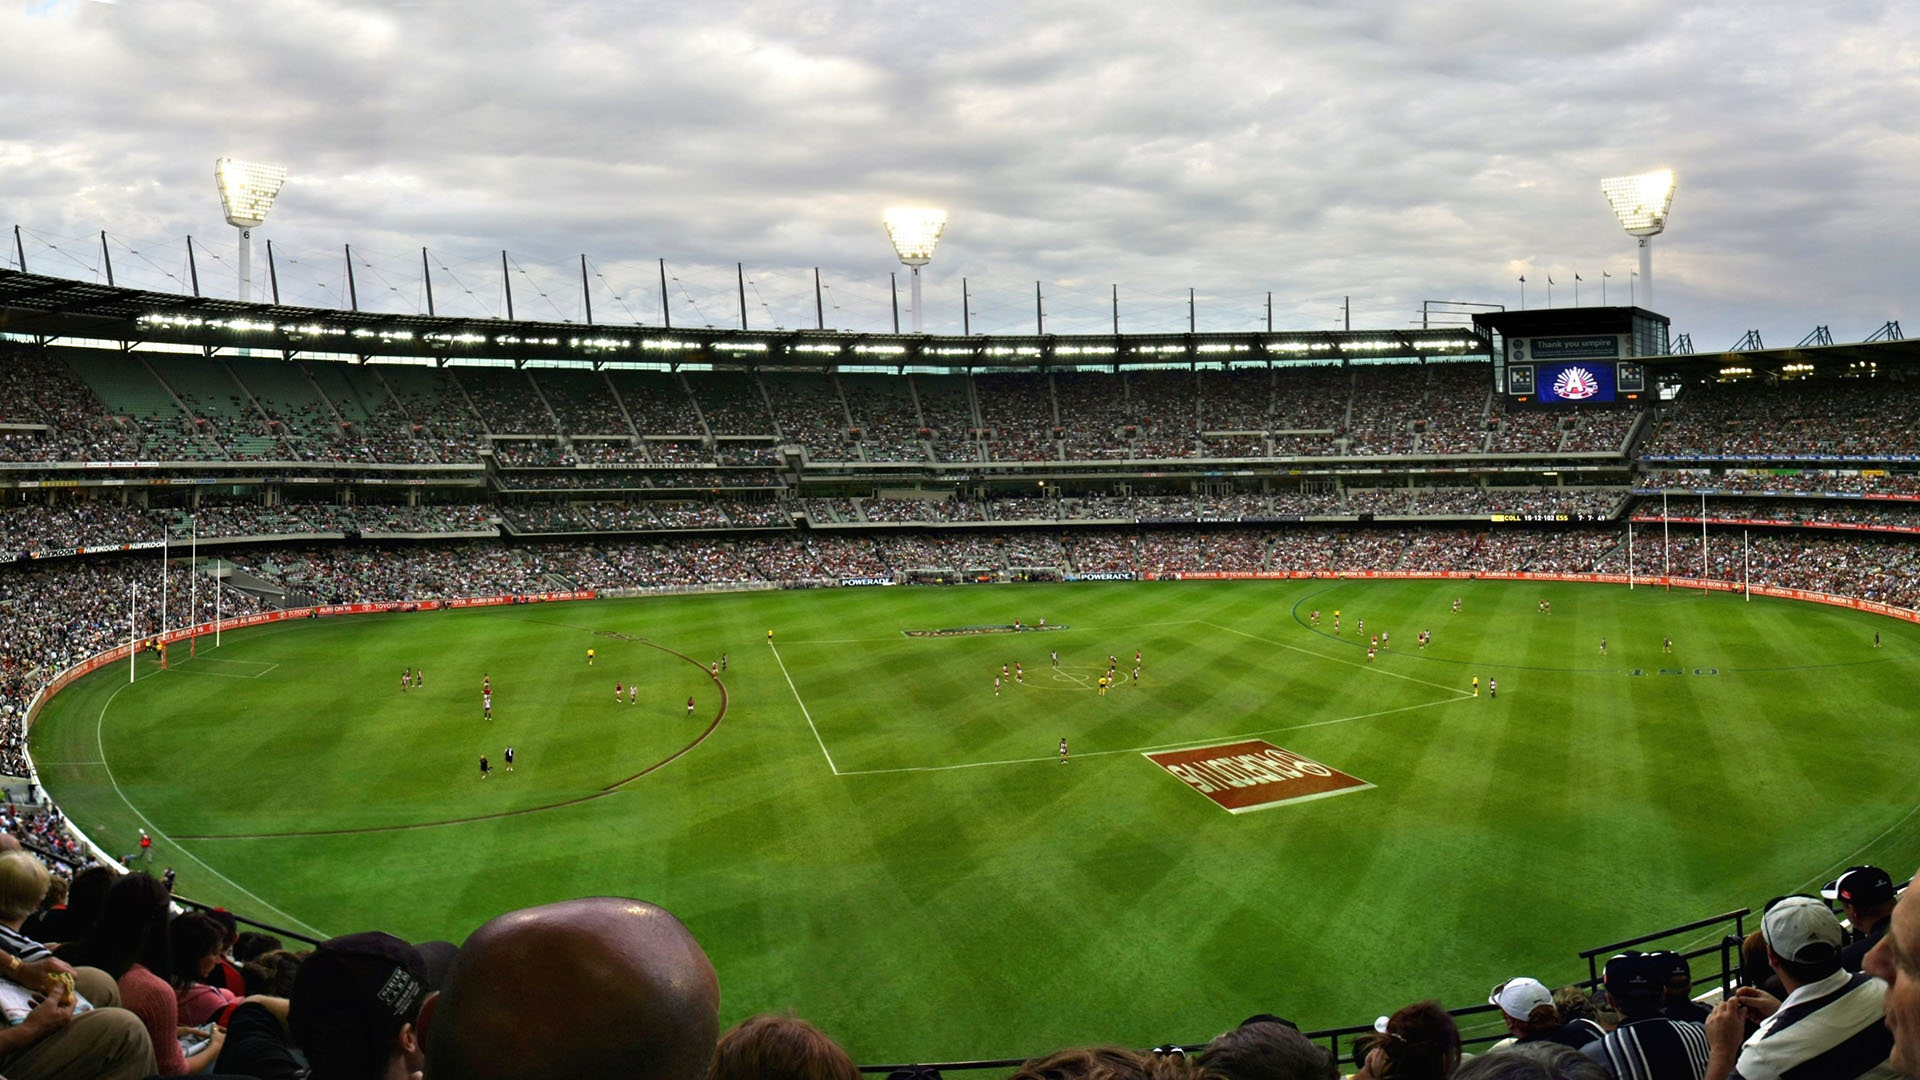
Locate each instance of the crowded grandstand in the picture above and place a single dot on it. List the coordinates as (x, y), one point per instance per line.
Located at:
(287, 483)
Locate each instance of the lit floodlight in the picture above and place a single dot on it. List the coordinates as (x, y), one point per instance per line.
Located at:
(914, 232)
(1641, 203)
(247, 191)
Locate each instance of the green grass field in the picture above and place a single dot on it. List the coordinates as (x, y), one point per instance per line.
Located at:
(871, 838)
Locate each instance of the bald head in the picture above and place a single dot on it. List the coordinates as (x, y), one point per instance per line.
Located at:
(581, 989)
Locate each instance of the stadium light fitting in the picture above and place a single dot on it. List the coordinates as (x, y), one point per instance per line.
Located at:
(1641, 203)
(247, 190)
(914, 232)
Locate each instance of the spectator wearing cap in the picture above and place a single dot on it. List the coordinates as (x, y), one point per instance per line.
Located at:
(351, 1008)
(1646, 1045)
(1829, 1026)
(578, 990)
(1527, 1007)
(53, 1041)
(1896, 959)
(1680, 1004)
(1266, 1048)
(1866, 899)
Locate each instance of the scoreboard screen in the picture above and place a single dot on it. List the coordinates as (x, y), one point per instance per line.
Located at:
(1577, 382)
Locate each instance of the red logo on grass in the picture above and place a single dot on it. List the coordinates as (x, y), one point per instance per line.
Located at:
(1254, 775)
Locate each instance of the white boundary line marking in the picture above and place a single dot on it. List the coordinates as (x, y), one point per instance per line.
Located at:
(1337, 660)
(803, 708)
(1189, 744)
(98, 725)
(193, 668)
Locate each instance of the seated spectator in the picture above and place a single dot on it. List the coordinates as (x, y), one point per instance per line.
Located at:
(130, 944)
(1527, 1007)
(1422, 1043)
(1266, 1048)
(582, 989)
(52, 1041)
(352, 1011)
(252, 944)
(1103, 1063)
(779, 1048)
(272, 974)
(1646, 1045)
(1577, 1007)
(196, 944)
(1894, 961)
(1866, 899)
(1680, 1004)
(1830, 1024)
(1532, 1061)
(72, 922)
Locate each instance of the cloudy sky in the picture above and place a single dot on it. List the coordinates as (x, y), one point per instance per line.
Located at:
(1393, 152)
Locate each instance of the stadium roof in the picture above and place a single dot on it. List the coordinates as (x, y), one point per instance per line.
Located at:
(47, 307)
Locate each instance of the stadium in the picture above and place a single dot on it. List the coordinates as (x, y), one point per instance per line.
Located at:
(1060, 678)
(867, 546)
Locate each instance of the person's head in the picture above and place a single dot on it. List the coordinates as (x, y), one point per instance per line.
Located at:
(56, 892)
(768, 1047)
(1526, 1005)
(23, 884)
(1865, 894)
(87, 893)
(132, 928)
(1422, 1043)
(1093, 1063)
(1266, 1050)
(272, 973)
(1679, 985)
(229, 927)
(1897, 960)
(1532, 1061)
(254, 944)
(595, 987)
(1803, 940)
(1636, 984)
(195, 945)
(1573, 1003)
(354, 1005)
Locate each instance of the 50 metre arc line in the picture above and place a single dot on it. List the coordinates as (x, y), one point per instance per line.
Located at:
(610, 789)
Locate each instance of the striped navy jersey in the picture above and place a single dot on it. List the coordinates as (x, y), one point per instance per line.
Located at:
(1652, 1048)
(1831, 1029)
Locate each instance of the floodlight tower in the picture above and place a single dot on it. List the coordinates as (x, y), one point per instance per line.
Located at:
(914, 233)
(247, 191)
(1641, 203)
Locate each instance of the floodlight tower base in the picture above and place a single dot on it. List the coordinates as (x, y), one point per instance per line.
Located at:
(916, 298)
(246, 264)
(1646, 272)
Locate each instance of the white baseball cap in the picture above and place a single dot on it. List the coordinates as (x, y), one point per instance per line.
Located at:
(1803, 930)
(1519, 997)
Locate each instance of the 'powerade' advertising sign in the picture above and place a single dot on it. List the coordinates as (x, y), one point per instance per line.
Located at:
(1573, 383)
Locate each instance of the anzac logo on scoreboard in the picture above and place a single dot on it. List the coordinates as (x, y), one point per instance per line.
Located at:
(1575, 384)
